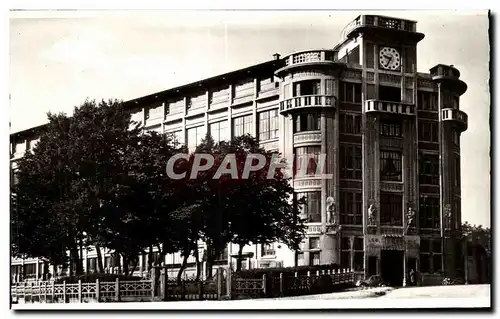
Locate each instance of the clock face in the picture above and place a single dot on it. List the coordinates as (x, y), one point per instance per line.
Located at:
(389, 58)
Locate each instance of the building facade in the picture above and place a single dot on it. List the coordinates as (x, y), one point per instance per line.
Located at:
(391, 136)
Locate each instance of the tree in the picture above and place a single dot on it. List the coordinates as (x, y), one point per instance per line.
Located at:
(244, 210)
(92, 175)
(477, 235)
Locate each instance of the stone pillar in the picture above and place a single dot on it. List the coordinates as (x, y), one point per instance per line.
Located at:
(37, 266)
(329, 249)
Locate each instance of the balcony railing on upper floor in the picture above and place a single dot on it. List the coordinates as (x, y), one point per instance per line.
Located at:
(379, 21)
(389, 107)
(310, 57)
(455, 115)
(306, 101)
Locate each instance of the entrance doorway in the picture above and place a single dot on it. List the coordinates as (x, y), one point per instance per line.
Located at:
(392, 264)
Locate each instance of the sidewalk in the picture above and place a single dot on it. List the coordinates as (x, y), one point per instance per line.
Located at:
(354, 294)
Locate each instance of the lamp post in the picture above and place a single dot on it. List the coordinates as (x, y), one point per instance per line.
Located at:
(447, 224)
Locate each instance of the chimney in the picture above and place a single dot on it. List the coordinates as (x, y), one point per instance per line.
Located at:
(276, 56)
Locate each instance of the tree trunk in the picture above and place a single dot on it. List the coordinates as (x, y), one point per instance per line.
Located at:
(210, 260)
(198, 263)
(125, 265)
(100, 265)
(150, 258)
(239, 260)
(135, 261)
(75, 260)
(183, 265)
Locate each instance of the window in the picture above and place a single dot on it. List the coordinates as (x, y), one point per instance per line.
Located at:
(427, 101)
(390, 128)
(300, 259)
(107, 262)
(389, 93)
(345, 252)
(431, 255)
(222, 255)
(350, 123)
(311, 210)
(314, 258)
(30, 270)
(194, 137)
(307, 122)
(309, 87)
(178, 137)
(391, 210)
(351, 208)
(410, 59)
(154, 112)
(390, 166)
(91, 265)
(243, 88)
(350, 92)
(429, 170)
(350, 161)
(268, 250)
(429, 212)
(175, 107)
(268, 125)
(428, 131)
(219, 131)
(242, 125)
(359, 254)
(329, 87)
(286, 91)
(456, 173)
(314, 243)
(370, 55)
(308, 157)
(455, 136)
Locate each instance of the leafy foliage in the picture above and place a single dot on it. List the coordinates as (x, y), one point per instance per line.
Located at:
(96, 179)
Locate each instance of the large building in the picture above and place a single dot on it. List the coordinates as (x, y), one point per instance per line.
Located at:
(391, 136)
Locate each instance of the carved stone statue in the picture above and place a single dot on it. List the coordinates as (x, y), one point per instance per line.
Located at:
(331, 211)
(410, 217)
(372, 218)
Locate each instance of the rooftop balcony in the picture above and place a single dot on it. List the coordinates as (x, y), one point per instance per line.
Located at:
(448, 76)
(378, 106)
(309, 57)
(460, 117)
(366, 22)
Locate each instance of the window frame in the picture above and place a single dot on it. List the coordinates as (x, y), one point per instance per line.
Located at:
(396, 157)
(351, 161)
(351, 207)
(267, 120)
(391, 208)
(311, 210)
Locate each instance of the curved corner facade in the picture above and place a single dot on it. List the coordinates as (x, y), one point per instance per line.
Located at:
(389, 135)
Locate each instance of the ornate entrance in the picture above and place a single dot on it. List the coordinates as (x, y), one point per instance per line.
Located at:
(392, 267)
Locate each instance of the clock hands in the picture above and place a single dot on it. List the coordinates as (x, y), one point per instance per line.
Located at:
(388, 57)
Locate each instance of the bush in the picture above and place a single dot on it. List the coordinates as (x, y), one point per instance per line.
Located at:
(92, 278)
(324, 284)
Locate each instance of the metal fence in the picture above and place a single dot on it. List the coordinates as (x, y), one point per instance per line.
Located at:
(49, 292)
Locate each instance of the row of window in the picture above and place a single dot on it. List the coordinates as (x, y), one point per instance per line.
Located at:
(219, 131)
(351, 209)
(431, 256)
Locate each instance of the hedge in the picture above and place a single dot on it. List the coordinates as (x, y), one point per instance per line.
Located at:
(92, 278)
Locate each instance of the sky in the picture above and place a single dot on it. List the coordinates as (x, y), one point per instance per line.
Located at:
(59, 59)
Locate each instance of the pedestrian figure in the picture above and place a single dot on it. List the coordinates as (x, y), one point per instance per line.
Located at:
(412, 277)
